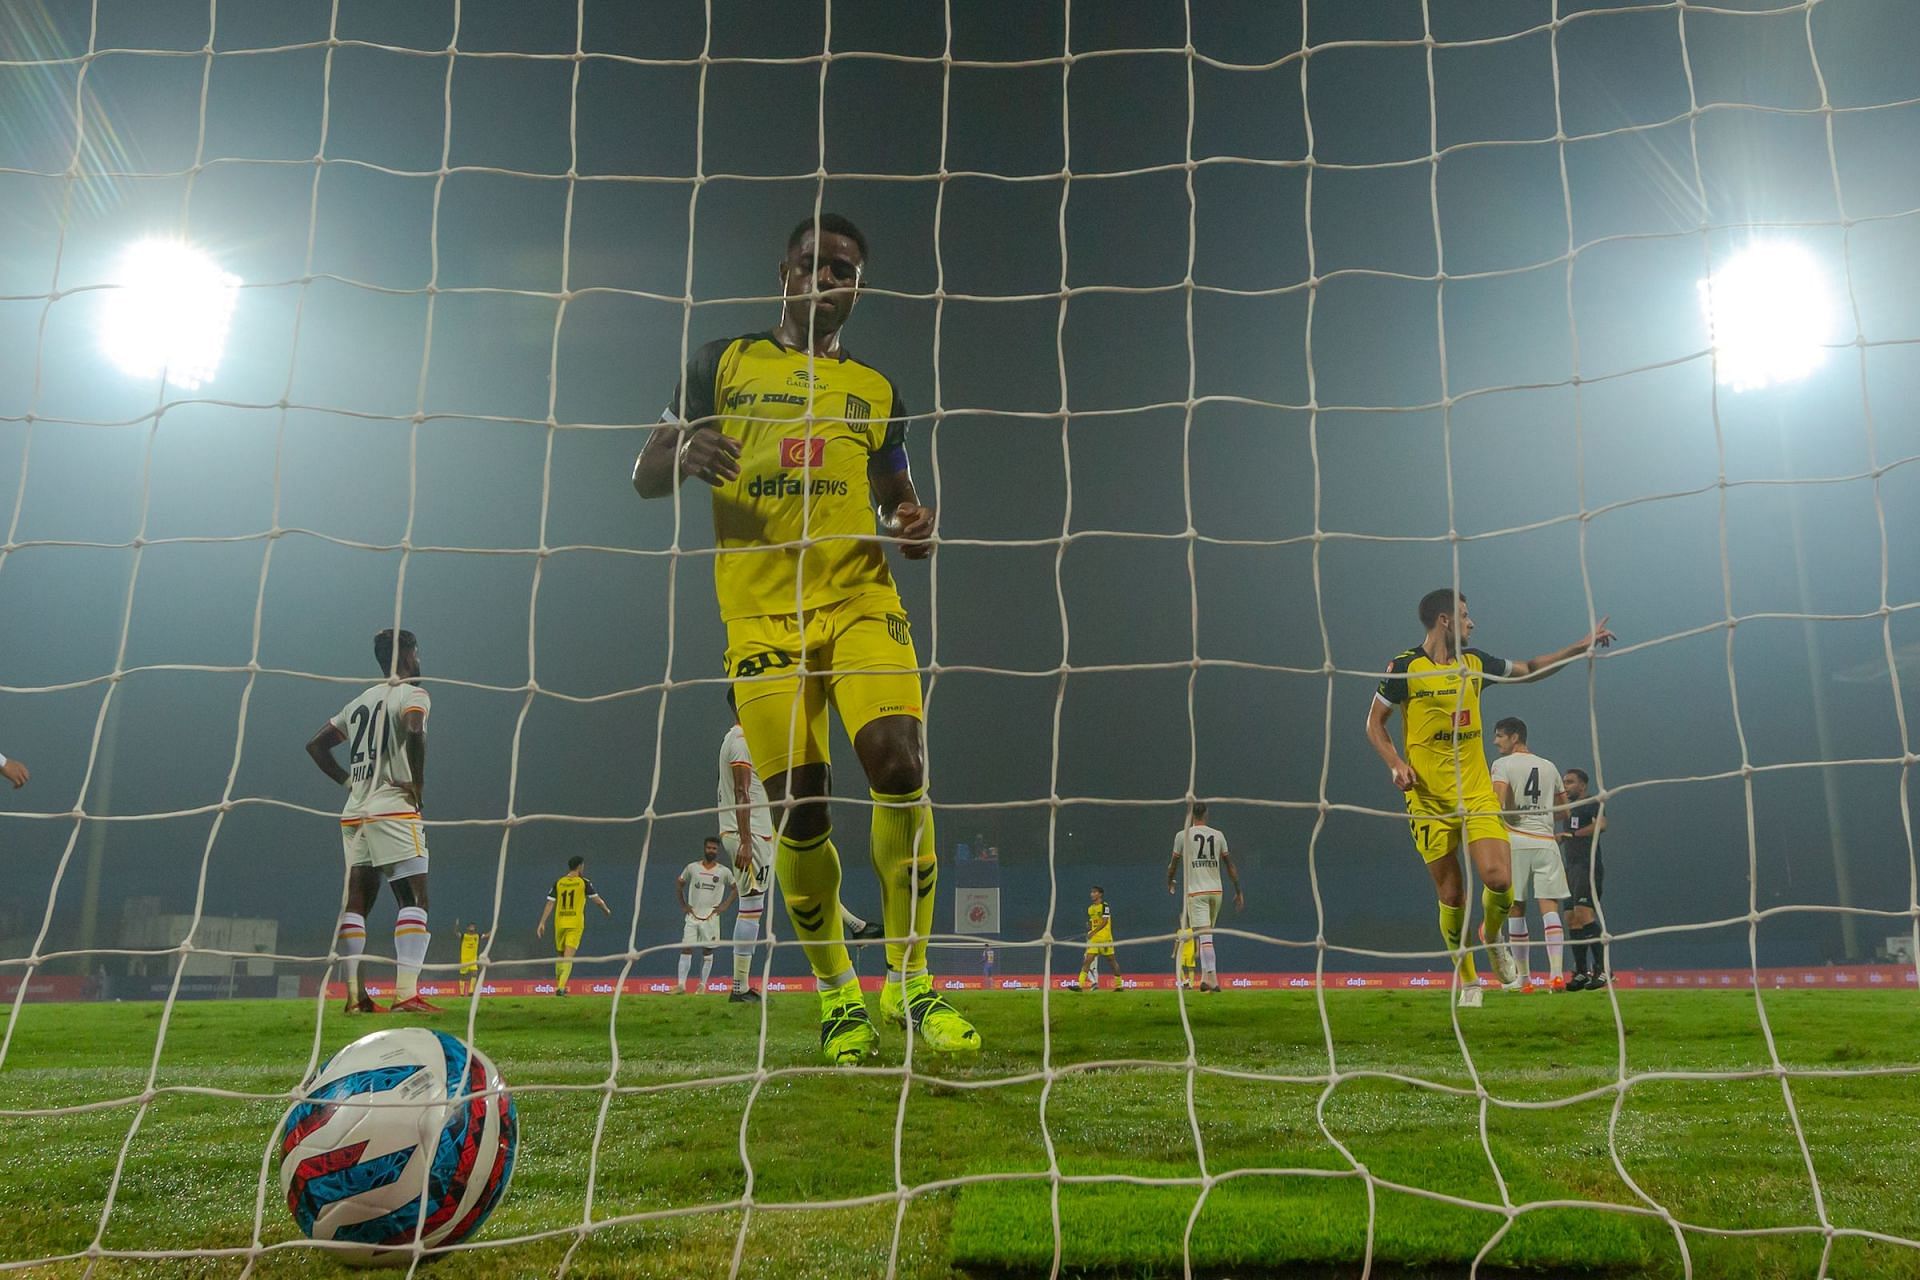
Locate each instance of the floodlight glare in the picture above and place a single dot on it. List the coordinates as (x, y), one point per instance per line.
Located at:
(1770, 315)
(168, 312)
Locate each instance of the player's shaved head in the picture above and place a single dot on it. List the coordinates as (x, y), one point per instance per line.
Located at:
(1435, 605)
(383, 647)
(832, 224)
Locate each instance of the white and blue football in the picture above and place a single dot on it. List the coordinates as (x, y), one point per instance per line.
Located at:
(403, 1135)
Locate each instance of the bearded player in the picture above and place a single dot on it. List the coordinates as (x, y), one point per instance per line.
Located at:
(1449, 793)
(804, 447)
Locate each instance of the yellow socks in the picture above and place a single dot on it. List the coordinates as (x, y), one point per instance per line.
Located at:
(903, 857)
(809, 874)
(562, 970)
(1496, 905)
(1453, 923)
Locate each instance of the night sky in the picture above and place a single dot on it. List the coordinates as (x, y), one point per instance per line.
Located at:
(1291, 450)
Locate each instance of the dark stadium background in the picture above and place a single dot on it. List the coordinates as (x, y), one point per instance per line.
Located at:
(997, 464)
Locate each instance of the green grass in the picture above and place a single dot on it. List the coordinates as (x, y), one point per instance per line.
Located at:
(1720, 1154)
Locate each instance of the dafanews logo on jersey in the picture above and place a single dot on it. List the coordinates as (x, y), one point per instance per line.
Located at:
(801, 453)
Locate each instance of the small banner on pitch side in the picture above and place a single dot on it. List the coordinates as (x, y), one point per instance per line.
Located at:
(976, 910)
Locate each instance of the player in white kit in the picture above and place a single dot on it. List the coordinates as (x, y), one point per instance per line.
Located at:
(743, 807)
(1529, 789)
(380, 826)
(1202, 851)
(706, 889)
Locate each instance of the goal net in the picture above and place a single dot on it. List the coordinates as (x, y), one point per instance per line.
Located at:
(1224, 332)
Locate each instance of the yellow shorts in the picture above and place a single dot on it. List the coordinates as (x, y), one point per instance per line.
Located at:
(1438, 827)
(468, 966)
(567, 935)
(864, 648)
(1103, 949)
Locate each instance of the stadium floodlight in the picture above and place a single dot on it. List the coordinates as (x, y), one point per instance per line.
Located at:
(1770, 315)
(168, 312)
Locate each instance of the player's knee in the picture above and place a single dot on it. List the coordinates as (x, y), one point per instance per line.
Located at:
(806, 819)
(1498, 879)
(895, 762)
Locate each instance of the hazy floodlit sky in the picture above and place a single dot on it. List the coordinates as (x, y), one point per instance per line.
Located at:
(1313, 532)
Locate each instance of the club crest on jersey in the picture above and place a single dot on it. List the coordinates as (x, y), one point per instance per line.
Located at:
(1463, 718)
(858, 410)
(897, 628)
(803, 451)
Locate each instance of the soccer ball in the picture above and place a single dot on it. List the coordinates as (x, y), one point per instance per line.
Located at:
(396, 1124)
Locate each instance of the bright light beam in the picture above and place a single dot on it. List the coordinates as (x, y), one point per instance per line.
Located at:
(1770, 314)
(169, 313)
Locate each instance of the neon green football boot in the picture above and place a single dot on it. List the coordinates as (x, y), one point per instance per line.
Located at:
(936, 1024)
(847, 1037)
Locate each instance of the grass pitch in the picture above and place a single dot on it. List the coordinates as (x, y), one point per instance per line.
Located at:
(1137, 1139)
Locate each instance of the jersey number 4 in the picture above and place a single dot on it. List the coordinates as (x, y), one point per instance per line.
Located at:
(1532, 790)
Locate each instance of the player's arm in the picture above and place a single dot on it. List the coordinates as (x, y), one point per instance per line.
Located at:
(742, 814)
(320, 747)
(601, 902)
(1382, 743)
(546, 913)
(680, 891)
(897, 501)
(13, 771)
(1532, 669)
(1504, 794)
(1226, 865)
(688, 441)
(1173, 870)
(726, 901)
(415, 720)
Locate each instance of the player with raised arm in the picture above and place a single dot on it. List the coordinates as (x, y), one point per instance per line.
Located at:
(1584, 822)
(705, 889)
(567, 905)
(743, 807)
(1529, 790)
(1099, 943)
(1202, 851)
(1449, 793)
(800, 441)
(385, 777)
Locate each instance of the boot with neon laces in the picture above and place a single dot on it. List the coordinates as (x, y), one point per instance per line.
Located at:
(847, 1037)
(937, 1025)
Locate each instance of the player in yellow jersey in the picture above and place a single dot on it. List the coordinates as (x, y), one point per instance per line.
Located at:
(1449, 791)
(470, 940)
(804, 447)
(1099, 943)
(567, 906)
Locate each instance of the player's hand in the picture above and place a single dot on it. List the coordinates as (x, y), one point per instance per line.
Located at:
(1239, 901)
(913, 525)
(540, 930)
(1598, 638)
(1402, 775)
(15, 772)
(743, 858)
(708, 455)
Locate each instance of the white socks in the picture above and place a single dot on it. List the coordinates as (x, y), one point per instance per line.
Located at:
(706, 970)
(686, 967)
(351, 943)
(1518, 938)
(410, 939)
(746, 928)
(1555, 935)
(1208, 974)
(852, 922)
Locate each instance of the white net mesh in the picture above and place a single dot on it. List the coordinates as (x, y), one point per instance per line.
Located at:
(1559, 412)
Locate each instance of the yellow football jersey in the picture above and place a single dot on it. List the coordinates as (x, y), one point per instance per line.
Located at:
(811, 431)
(1099, 922)
(569, 898)
(469, 947)
(1440, 704)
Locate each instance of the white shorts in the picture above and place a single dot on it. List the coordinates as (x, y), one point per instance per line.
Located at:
(396, 846)
(1538, 871)
(700, 933)
(1203, 909)
(752, 881)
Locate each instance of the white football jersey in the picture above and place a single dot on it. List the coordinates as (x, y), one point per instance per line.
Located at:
(1534, 783)
(1199, 849)
(375, 725)
(733, 750)
(706, 887)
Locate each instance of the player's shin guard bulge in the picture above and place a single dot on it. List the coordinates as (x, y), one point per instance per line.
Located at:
(809, 874)
(902, 849)
(1453, 926)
